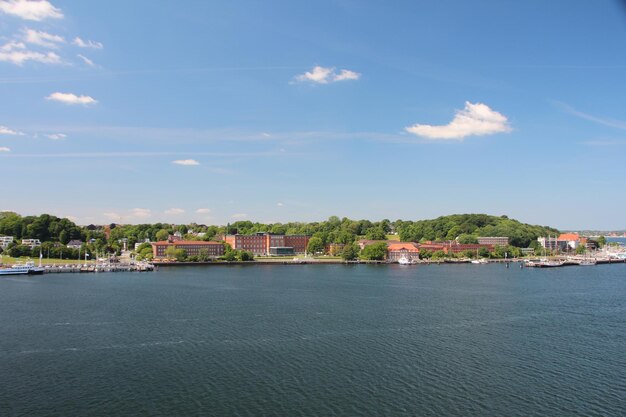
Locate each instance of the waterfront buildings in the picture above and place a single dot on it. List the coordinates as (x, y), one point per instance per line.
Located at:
(191, 248)
(261, 244)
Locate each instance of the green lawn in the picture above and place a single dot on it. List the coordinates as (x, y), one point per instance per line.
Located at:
(8, 260)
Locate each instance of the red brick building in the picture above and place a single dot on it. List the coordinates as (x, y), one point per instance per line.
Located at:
(191, 248)
(260, 243)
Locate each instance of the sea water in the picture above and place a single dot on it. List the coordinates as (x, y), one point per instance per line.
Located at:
(316, 340)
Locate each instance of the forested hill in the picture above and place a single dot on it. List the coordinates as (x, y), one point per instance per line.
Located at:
(465, 227)
(469, 226)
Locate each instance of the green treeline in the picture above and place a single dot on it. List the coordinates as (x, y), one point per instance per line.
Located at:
(464, 227)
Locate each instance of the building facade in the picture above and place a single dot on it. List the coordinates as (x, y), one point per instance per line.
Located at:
(400, 250)
(32, 243)
(260, 244)
(5, 241)
(191, 248)
(494, 240)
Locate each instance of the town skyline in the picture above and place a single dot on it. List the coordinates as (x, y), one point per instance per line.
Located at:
(214, 113)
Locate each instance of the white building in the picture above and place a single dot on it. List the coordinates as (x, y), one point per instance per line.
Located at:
(550, 243)
(5, 241)
(32, 243)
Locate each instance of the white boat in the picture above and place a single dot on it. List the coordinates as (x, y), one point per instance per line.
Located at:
(481, 261)
(405, 261)
(21, 268)
(587, 262)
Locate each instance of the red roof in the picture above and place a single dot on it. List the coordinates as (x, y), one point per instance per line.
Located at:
(407, 246)
(569, 236)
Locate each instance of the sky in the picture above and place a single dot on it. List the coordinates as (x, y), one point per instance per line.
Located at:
(276, 111)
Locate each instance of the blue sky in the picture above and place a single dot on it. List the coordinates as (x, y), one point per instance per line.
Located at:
(200, 111)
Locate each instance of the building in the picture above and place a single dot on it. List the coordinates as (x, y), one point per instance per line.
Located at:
(568, 241)
(75, 244)
(261, 243)
(550, 243)
(191, 248)
(494, 240)
(5, 241)
(399, 250)
(32, 243)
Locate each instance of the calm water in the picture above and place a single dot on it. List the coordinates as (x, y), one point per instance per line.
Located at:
(316, 341)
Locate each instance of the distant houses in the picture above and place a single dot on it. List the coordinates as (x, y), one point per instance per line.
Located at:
(74, 244)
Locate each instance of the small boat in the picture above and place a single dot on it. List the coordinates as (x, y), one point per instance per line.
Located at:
(481, 261)
(405, 261)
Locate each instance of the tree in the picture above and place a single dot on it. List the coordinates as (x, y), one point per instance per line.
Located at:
(466, 239)
(580, 249)
(601, 241)
(439, 254)
(483, 252)
(375, 233)
(203, 255)
(315, 245)
(244, 255)
(375, 251)
(162, 235)
(170, 252)
(350, 252)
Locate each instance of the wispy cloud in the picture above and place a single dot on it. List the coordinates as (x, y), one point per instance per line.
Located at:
(87, 60)
(618, 124)
(132, 215)
(4, 149)
(87, 44)
(280, 204)
(474, 120)
(186, 162)
(239, 216)
(203, 211)
(6, 131)
(71, 99)
(36, 10)
(18, 57)
(325, 75)
(56, 136)
(44, 39)
(174, 211)
(608, 142)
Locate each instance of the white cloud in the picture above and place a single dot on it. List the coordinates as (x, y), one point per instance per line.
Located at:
(4, 149)
(280, 204)
(8, 47)
(325, 75)
(112, 216)
(175, 211)
(86, 60)
(56, 136)
(44, 39)
(23, 55)
(203, 211)
(186, 162)
(239, 216)
(474, 120)
(6, 131)
(87, 44)
(69, 98)
(36, 10)
(140, 212)
(346, 75)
